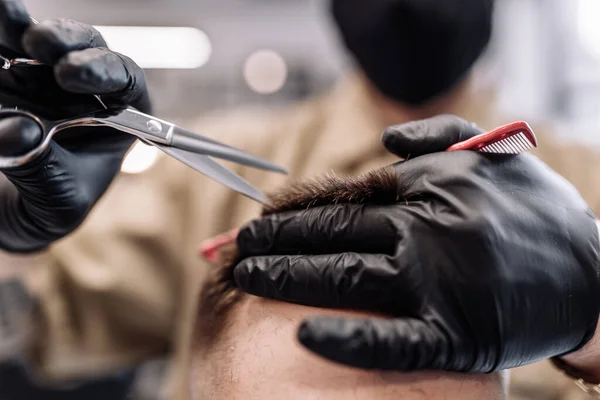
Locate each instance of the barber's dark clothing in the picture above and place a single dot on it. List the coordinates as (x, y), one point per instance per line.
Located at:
(17, 313)
(17, 384)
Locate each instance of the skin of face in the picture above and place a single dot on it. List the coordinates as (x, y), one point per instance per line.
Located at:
(257, 357)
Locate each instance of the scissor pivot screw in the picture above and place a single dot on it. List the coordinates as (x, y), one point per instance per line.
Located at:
(154, 126)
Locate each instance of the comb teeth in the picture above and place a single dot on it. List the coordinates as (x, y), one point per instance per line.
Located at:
(513, 144)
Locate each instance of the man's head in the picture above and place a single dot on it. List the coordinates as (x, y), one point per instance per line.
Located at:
(246, 347)
(414, 50)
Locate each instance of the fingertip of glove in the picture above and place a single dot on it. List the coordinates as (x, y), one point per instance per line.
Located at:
(321, 331)
(310, 334)
(390, 137)
(18, 136)
(255, 238)
(241, 275)
(427, 136)
(402, 139)
(336, 339)
(245, 234)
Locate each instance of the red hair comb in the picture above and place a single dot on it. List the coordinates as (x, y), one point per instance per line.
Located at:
(209, 249)
(514, 138)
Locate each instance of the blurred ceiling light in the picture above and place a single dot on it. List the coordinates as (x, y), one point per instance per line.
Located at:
(139, 159)
(160, 47)
(588, 26)
(265, 71)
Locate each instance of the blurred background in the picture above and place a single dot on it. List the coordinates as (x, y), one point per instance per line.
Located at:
(202, 56)
(544, 59)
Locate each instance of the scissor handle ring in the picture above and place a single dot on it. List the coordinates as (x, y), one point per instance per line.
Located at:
(20, 113)
(17, 161)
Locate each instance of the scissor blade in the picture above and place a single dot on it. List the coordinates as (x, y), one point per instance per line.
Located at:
(147, 127)
(209, 167)
(191, 141)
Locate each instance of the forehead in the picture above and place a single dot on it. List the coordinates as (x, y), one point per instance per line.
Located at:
(258, 357)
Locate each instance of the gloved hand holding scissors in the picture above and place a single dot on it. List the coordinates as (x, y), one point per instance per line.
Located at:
(49, 197)
(66, 80)
(485, 262)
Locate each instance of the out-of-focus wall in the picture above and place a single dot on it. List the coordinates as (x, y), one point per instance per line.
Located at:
(545, 53)
(548, 52)
(298, 30)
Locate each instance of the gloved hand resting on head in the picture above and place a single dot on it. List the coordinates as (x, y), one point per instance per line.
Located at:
(49, 197)
(486, 262)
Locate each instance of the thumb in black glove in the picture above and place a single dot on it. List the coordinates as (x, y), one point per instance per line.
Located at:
(483, 262)
(48, 198)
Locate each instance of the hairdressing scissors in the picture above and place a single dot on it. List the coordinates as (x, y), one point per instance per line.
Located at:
(186, 146)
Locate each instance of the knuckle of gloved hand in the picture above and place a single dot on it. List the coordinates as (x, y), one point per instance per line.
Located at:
(456, 170)
(135, 93)
(476, 228)
(97, 71)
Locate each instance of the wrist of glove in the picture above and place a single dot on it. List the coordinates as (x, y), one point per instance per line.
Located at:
(484, 262)
(583, 365)
(48, 198)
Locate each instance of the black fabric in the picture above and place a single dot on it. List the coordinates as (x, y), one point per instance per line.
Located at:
(18, 312)
(48, 198)
(413, 50)
(485, 262)
(16, 383)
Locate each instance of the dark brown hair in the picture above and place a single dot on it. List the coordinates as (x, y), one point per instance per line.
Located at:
(381, 186)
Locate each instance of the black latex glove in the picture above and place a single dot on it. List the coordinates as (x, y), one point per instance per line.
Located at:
(487, 262)
(48, 198)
